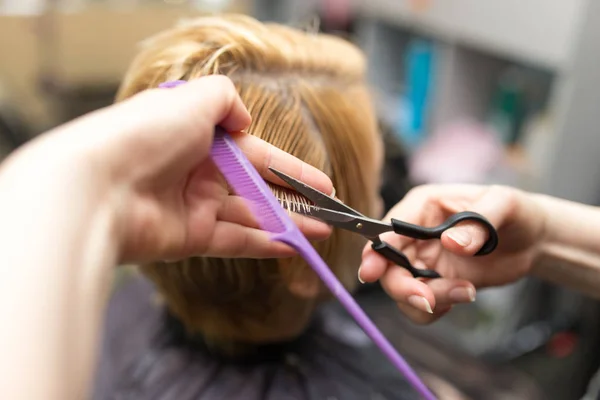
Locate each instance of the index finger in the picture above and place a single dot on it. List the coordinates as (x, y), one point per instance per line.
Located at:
(170, 127)
(410, 209)
(261, 154)
(212, 98)
(264, 155)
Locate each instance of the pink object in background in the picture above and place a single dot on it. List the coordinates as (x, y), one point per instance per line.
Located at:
(336, 13)
(462, 152)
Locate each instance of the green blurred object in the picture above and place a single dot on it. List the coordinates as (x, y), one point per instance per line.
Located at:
(508, 107)
(519, 93)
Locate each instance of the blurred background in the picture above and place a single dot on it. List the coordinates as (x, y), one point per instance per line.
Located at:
(494, 91)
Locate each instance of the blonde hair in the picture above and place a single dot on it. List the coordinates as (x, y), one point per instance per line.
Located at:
(306, 94)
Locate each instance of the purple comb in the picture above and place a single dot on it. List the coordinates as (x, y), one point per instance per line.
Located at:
(247, 183)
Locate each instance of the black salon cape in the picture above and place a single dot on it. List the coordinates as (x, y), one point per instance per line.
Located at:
(145, 355)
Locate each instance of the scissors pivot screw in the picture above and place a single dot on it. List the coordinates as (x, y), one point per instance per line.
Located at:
(359, 226)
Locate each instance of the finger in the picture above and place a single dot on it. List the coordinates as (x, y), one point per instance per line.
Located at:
(414, 310)
(400, 285)
(465, 238)
(496, 204)
(161, 129)
(236, 210)
(213, 99)
(373, 265)
(264, 155)
(311, 228)
(452, 291)
(447, 293)
(231, 240)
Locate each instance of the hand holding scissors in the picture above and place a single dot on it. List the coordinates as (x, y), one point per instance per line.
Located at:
(341, 216)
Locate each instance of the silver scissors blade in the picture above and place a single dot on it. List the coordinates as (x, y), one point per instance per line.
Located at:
(320, 199)
(364, 226)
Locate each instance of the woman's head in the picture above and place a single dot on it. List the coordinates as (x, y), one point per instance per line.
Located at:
(307, 95)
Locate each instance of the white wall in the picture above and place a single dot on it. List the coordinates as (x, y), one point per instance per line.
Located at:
(575, 166)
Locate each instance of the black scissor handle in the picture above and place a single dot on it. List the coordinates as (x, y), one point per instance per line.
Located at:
(397, 257)
(423, 233)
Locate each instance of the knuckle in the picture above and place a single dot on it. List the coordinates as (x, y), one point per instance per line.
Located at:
(224, 79)
(215, 79)
(499, 190)
(418, 191)
(225, 85)
(508, 195)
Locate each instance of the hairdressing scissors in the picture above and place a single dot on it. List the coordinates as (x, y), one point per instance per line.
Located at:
(339, 215)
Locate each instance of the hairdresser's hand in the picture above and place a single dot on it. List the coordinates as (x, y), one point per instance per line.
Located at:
(517, 217)
(177, 202)
(151, 153)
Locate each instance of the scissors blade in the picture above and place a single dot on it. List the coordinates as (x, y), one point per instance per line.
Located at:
(320, 199)
(367, 227)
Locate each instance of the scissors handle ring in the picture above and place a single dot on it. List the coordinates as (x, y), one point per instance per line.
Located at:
(424, 233)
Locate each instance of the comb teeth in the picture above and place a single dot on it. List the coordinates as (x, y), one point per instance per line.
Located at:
(292, 201)
(247, 183)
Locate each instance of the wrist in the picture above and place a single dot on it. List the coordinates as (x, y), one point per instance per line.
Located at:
(543, 204)
(549, 240)
(568, 223)
(568, 254)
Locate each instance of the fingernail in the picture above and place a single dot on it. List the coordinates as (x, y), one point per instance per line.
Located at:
(359, 279)
(462, 295)
(420, 303)
(461, 237)
(332, 193)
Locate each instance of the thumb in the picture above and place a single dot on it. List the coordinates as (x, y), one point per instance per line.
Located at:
(156, 130)
(496, 204)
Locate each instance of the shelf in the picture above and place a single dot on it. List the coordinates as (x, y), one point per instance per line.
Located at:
(535, 32)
